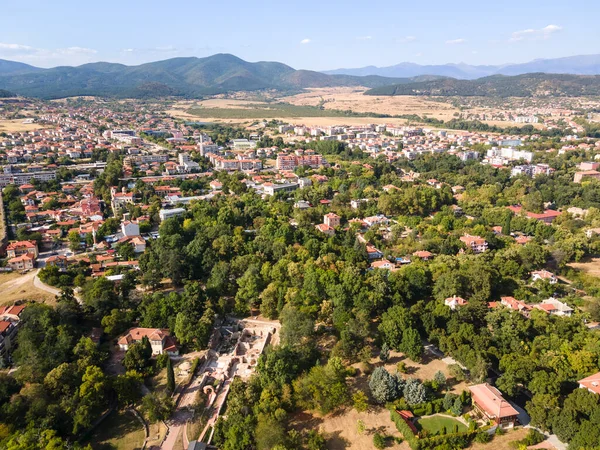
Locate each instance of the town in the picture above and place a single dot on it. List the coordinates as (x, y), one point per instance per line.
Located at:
(205, 283)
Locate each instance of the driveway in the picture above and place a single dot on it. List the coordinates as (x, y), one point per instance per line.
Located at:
(525, 421)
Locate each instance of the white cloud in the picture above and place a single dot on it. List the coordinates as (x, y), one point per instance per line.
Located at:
(305, 41)
(128, 50)
(456, 41)
(77, 51)
(364, 38)
(533, 34)
(47, 57)
(165, 48)
(16, 47)
(406, 39)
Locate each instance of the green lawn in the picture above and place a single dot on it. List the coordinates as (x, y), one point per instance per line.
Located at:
(435, 424)
(119, 431)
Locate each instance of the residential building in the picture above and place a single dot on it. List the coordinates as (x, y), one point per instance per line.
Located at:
(373, 252)
(23, 262)
(475, 243)
(19, 248)
(455, 302)
(577, 178)
(555, 307)
(489, 402)
(129, 228)
(325, 229)
(516, 305)
(332, 220)
(544, 275)
(161, 340)
(591, 383)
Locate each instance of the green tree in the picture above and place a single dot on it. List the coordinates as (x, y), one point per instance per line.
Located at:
(412, 345)
(170, 376)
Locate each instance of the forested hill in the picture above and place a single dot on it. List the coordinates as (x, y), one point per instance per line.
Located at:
(529, 85)
(6, 94)
(186, 77)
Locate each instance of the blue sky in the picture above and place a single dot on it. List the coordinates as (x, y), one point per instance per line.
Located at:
(318, 35)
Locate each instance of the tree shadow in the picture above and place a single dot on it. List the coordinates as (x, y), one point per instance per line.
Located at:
(381, 430)
(336, 442)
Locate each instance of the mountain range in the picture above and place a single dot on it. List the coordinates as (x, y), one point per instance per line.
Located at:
(187, 77)
(575, 65)
(527, 85)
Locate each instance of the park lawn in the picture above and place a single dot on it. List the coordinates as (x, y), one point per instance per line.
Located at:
(121, 430)
(434, 424)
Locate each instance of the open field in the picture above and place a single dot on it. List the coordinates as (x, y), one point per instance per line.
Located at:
(347, 98)
(15, 125)
(589, 266)
(341, 429)
(119, 431)
(323, 107)
(424, 370)
(434, 424)
(15, 286)
(501, 442)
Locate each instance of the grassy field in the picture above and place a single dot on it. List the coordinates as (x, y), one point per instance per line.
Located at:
(435, 424)
(15, 286)
(16, 125)
(590, 266)
(119, 431)
(268, 111)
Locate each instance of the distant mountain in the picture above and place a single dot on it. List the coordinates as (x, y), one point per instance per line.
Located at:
(6, 94)
(187, 77)
(575, 65)
(528, 85)
(14, 67)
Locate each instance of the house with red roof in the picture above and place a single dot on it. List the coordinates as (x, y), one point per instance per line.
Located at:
(325, 229)
(455, 302)
(591, 383)
(160, 339)
(475, 243)
(544, 275)
(23, 262)
(488, 401)
(20, 248)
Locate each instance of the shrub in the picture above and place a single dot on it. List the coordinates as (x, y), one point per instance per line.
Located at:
(482, 437)
(360, 401)
(379, 441)
(457, 372)
(384, 354)
(448, 402)
(401, 367)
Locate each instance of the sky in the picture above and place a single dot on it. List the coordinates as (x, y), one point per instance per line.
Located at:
(316, 35)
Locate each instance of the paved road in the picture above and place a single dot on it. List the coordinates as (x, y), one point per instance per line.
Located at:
(182, 414)
(42, 286)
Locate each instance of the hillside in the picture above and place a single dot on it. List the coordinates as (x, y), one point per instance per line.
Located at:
(13, 67)
(574, 65)
(6, 94)
(529, 85)
(186, 77)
